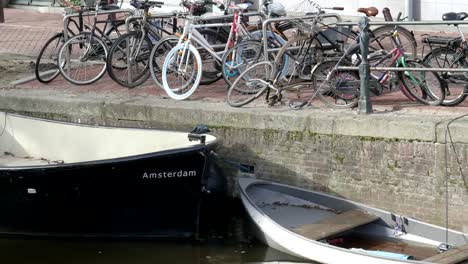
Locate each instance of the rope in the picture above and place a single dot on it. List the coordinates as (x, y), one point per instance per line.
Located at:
(229, 162)
(449, 134)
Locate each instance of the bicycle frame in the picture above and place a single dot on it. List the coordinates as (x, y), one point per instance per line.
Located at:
(191, 33)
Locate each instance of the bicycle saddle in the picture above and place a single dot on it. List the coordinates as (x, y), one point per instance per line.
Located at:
(454, 16)
(370, 11)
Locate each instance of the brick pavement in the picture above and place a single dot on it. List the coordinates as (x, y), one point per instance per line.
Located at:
(23, 26)
(24, 31)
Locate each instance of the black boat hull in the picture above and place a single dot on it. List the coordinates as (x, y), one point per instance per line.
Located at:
(66, 179)
(155, 195)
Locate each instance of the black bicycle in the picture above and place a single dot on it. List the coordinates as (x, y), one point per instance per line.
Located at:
(448, 52)
(46, 67)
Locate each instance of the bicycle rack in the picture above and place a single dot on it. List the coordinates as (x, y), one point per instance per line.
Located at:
(66, 18)
(365, 106)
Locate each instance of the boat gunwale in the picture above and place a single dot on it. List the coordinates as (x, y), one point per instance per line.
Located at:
(190, 148)
(245, 183)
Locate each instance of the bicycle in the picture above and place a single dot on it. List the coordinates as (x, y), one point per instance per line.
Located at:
(46, 67)
(182, 68)
(331, 41)
(335, 88)
(82, 58)
(341, 88)
(277, 77)
(450, 53)
(127, 63)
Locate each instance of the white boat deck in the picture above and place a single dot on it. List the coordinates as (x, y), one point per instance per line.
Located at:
(8, 160)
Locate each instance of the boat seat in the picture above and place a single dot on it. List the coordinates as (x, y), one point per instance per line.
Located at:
(335, 225)
(450, 256)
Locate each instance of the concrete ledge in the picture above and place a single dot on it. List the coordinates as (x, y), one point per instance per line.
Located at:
(163, 113)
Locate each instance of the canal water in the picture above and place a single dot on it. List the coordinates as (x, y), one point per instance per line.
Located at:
(25, 251)
(228, 239)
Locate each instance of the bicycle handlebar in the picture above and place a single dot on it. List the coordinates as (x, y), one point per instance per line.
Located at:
(333, 8)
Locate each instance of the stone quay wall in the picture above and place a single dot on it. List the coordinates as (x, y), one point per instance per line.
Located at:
(393, 161)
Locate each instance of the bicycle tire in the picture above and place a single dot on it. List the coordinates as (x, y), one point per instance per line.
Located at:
(134, 70)
(157, 56)
(428, 91)
(336, 89)
(381, 38)
(191, 83)
(303, 53)
(238, 94)
(45, 69)
(97, 51)
(238, 58)
(445, 57)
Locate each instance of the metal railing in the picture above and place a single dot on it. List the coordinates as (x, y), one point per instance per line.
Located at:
(365, 105)
(66, 18)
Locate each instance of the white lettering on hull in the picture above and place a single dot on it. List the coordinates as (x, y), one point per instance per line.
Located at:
(169, 174)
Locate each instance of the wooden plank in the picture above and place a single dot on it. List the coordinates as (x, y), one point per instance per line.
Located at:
(335, 225)
(450, 256)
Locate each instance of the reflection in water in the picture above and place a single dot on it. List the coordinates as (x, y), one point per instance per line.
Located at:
(13, 251)
(228, 238)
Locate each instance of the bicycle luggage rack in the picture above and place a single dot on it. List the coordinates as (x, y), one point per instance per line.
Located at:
(365, 106)
(439, 41)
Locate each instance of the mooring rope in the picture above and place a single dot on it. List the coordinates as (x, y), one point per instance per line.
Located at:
(448, 135)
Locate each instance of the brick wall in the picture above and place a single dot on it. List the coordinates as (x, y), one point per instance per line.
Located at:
(402, 176)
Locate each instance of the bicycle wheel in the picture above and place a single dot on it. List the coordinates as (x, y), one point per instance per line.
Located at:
(336, 89)
(46, 68)
(250, 84)
(182, 72)
(302, 54)
(455, 82)
(425, 87)
(157, 56)
(127, 63)
(82, 59)
(239, 58)
(381, 38)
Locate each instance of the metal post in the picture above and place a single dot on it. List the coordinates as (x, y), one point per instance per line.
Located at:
(365, 105)
(2, 15)
(409, 8)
